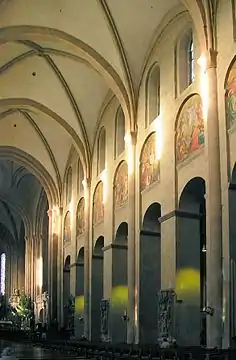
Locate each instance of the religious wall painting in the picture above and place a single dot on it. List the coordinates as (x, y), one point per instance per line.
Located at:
(80, 217)
(98, 207)
(121, 185)
(190, 135)
(149, 164)
(67, 228)
(230, 96)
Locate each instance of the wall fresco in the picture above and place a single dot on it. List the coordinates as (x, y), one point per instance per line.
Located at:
(121, 185)
(149, 164)
(230, 97)
(189, 128)
(80, 217)
(67, 228)
(98, 207)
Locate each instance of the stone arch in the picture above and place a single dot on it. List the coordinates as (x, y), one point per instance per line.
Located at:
(149, 164)
(94, 59)
(36, 168)
(189, 128)
(198, 17)
(98, 246)
(80, 256)
(150, 273)
(67, 263)
(121, 236)
(97, 288)
(80, 223)
(230, 94)
(119, 297)
(152, 93)
(191, 263)
(32, 105)
(121, 185)
(98, 206)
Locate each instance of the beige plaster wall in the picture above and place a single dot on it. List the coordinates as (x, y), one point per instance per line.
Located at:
(167, 192)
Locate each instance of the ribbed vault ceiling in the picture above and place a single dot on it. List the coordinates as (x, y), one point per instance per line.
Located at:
(60, 60)
(20, 194)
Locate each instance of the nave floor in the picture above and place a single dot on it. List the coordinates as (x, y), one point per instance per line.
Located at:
(26, 351)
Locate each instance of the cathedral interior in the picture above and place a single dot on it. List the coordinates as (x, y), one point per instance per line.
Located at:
(117, 166)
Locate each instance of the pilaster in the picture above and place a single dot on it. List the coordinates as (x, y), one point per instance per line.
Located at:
(87, 260)
(131, 240)
(213, 206)
(54, 252)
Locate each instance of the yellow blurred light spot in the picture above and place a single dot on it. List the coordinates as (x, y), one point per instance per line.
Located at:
(79, 304)
(188, 284)
(119, 297)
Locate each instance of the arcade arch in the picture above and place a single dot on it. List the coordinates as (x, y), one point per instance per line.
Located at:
(191, 264)
(149, 273)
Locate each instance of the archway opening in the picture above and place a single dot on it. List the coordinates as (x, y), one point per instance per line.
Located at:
(79, 294)
(66, 290)
(119, 298)
(97, 289)
(23, 238)
(150, 274)
(191, 264)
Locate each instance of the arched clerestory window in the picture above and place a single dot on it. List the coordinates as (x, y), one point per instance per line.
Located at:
(80, 177)
(2, 273)
(185, 64)
(191, 73)
(119, 132)
(69, 186)
(153, 94)
(101, 150)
